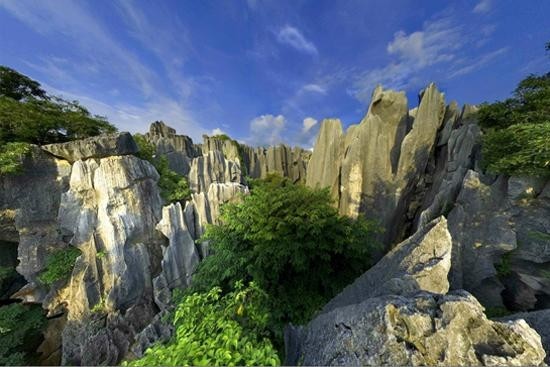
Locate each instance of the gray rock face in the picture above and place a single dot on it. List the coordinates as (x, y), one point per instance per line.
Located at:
(285, 161)
(421, 262)
(539, 321)
(179, 150)
(180, 257)
(427, 329)
(375, 168)
(94, 147)
(29, 203)
(212, 168)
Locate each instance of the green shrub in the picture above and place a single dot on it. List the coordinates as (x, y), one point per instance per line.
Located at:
(59, 265)
(216, 330)
(6, 273)
(11, 157)
(20, 328)
(522, 149)
(173, 186)
(504, 266)
(290, 241)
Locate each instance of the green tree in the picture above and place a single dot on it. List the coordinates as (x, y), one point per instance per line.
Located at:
(516, 137)
(216, 330)
(290, 241)
(18, 86)
(20, 333)
(28, 114)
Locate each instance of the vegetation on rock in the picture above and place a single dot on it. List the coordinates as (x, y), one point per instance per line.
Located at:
(59, 265)
(29, 115)
(216, 330)
(11, 157)
(290, 241)
(517, 130)
(173, 187)
(20, 332)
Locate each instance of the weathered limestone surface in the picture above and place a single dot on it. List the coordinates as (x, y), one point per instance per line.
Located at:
(212, 168)
(94, 147)
(539, 321)
(426, 329)
(421, 262)
(280, 159)
(179, 150)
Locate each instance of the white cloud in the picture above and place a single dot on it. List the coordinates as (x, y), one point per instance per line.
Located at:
(483, 6)
(415, 56)
(217, 131)
(308, 123)
(314, 88)
(266, 130)
(292, 37)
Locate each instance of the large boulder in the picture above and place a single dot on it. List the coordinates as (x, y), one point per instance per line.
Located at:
(95, 147)
(538, 320)
(426, 329)
(421, 262)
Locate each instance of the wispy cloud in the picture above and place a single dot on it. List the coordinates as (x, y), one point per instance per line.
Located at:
(478, 63)
(314, 88)
(292, 37)
(266, 130)
(483, 6)
(414, 57)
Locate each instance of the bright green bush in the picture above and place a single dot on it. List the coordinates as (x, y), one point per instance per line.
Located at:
(521, 149)
(173, 186)
(290, 241)
(216, 330)
(20, 327)
(59, 265)
(11, 157)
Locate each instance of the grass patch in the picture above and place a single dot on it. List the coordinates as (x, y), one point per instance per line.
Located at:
(59, 265)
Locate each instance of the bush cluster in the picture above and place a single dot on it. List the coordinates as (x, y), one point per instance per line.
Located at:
(212, 329)
(59, 265)
(173, 186)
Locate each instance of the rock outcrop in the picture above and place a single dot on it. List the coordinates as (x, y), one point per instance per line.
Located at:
(423, 330)
(539, 321)
(421, 262)
(95, 147)
(399, 313)
(213, 167)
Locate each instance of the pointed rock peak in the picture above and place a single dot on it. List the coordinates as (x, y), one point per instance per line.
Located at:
(159, 128)
(468, 114)
(389, 105)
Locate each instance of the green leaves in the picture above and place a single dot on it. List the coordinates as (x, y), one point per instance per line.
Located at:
(11, 157)
(290, 241)
(210, 331)
(19, 328)
(522, 149)
(173, 186)
(59, 265)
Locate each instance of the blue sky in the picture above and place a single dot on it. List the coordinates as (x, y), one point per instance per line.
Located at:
(266, 71)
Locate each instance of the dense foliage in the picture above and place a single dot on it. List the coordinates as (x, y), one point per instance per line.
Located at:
(20, 328)
(290, 241)
(59, 265)
(517, 130)
(29, 115)
(173, 186)
(11, 157)
(216, 330)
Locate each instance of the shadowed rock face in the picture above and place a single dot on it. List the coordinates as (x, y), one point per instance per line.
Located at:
(94, 147)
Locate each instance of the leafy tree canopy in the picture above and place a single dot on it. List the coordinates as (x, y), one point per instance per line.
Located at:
(216, 330)
(290, 241)
(28, 114)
